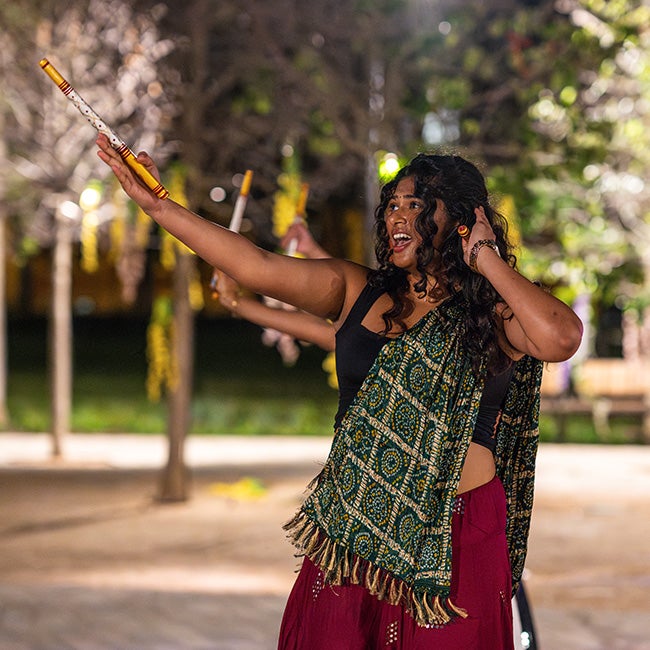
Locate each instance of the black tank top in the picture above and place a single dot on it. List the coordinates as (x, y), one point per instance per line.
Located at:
(357, 348)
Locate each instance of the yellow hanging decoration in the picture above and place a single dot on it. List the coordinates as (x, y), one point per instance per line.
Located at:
(287, 197)
(169, 245)
(120, 209)
(197, 301)
(506, 206)
(167, 250)
(176, 185)
(142, 228)
(162, 370)
(329, 366)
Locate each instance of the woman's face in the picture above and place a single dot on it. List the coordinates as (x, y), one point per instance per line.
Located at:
(400, 215)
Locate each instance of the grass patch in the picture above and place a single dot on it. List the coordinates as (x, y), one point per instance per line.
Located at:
(240, 386)
(580, 429)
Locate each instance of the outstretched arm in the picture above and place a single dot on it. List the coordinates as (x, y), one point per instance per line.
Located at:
(316, 286)
(535, 322)
(297, 324)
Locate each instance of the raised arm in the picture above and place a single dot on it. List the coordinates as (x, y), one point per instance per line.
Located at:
(316, 286)
(535, 322)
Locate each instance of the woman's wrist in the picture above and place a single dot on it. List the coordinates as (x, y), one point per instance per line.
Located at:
(477, 248)
(229, 298)
(231, 303)
(156, 210)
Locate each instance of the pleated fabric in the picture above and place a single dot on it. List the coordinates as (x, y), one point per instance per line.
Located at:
(319, 616)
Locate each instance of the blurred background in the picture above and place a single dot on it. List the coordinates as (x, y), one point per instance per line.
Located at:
(551, 98)
(107, 324)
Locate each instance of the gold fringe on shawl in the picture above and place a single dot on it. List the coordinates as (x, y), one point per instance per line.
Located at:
(340, 566)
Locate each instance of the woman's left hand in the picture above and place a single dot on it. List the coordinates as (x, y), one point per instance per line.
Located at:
(226, 289)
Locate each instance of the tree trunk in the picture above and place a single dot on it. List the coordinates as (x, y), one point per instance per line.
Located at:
(4, 367)
(174, 481)
(645, 357)
(375, 116)
(644, 347)
(60, 352)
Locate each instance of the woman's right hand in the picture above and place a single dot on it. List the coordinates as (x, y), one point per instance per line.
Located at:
(134, 188)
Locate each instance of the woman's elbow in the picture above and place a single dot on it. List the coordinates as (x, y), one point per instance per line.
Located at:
(569, 339)
(559, 344)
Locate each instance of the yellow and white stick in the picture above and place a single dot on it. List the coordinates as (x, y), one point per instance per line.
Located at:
(301, 208)
(116, 142)
(240, 203)
(235, 220)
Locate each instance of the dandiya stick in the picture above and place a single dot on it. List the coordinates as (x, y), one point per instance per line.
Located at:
(235, 219)
(240, 203)
(116, 142)
(301, 208)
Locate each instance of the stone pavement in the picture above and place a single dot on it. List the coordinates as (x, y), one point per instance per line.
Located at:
(90, 561)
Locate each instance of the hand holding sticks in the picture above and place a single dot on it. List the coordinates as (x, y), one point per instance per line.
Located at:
(235, 221)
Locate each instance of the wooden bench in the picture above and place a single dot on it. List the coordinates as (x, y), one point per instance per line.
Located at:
(602, 388)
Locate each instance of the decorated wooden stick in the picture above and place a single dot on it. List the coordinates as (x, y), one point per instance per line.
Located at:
(463, 231)
(301, 208)
(116, 142)
(235, 221)
(240, 203)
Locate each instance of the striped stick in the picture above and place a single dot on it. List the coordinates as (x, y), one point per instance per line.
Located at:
(116, 142)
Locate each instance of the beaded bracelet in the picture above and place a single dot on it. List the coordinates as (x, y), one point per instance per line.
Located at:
(476, 249)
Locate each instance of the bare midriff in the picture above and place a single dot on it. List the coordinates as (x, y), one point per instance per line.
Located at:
(479, 468)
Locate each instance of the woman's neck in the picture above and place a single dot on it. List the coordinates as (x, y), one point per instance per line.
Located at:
(433, 293)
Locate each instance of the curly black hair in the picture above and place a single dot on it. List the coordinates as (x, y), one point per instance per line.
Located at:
(461, 187)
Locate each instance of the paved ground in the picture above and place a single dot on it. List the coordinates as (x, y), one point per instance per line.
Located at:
(90, 561)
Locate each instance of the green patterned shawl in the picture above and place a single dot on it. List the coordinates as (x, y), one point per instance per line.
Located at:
(380, 512)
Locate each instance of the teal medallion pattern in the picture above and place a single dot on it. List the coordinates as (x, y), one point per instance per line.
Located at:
(380, 511)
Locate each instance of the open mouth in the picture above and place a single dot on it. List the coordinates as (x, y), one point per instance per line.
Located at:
(400, 240)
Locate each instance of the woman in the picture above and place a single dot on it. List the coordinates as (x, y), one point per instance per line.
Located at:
(422, 509)
(305, 327)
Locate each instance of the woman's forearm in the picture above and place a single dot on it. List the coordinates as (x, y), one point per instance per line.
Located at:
(317, 286)
(297, 324)
(541, 325)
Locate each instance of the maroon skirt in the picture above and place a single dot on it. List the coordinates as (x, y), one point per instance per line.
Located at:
(319, 616)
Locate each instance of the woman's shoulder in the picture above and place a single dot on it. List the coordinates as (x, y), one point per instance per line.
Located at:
(356, 275)
(356, 279)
